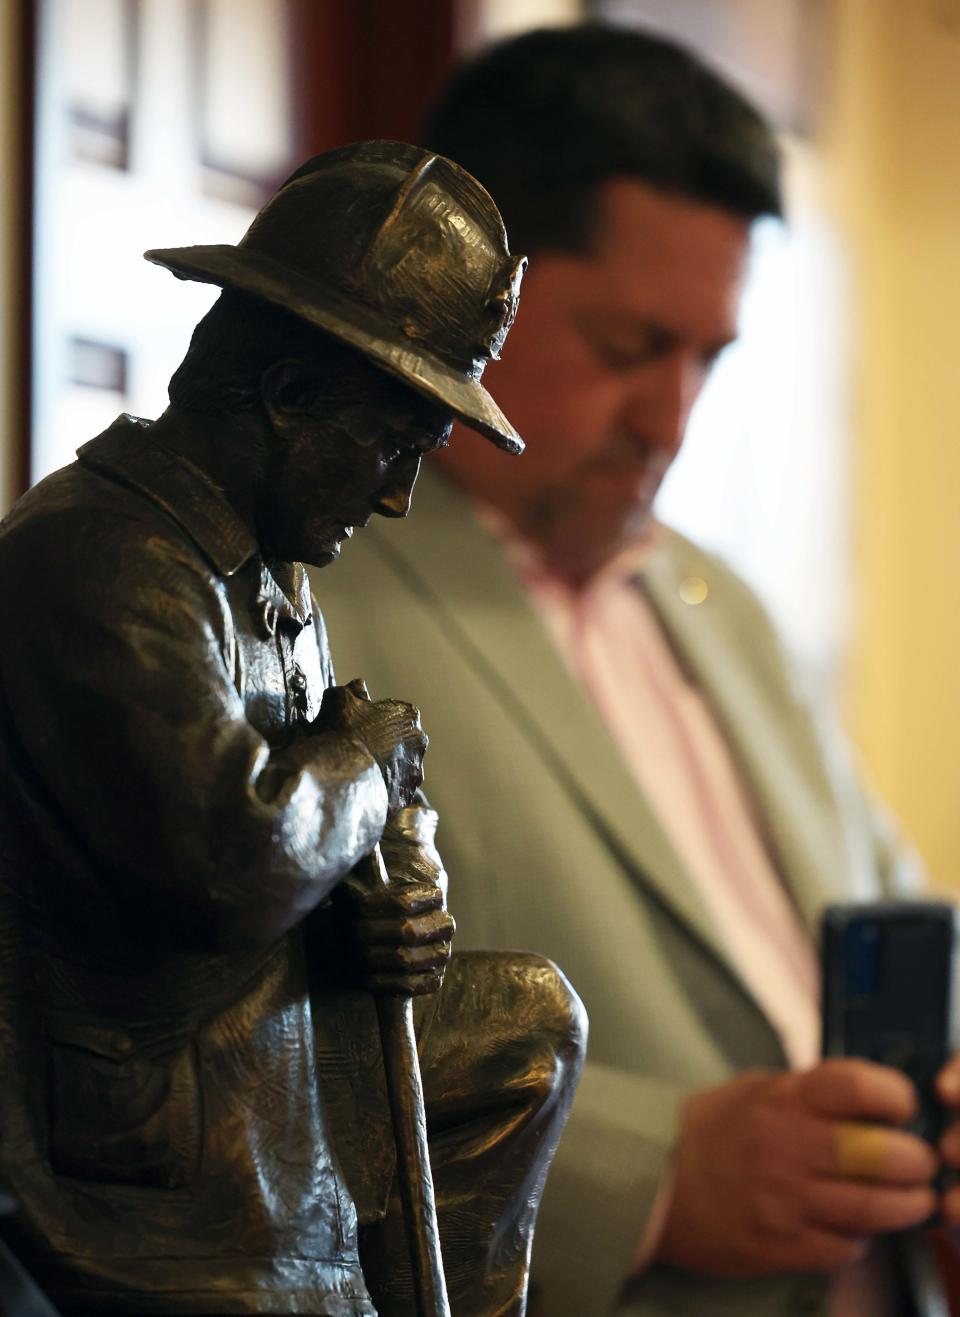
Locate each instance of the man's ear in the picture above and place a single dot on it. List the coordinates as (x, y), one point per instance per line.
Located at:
(288, 389)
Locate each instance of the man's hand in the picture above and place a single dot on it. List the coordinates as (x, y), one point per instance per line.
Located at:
(782, 1172)
(401, 934)
(389, 729)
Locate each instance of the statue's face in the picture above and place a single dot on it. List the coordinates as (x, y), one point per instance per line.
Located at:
(360, 457)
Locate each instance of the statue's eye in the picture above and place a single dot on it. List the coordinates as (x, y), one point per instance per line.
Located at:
(390, 449)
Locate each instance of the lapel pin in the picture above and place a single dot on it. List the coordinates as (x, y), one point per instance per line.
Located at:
(693, 590)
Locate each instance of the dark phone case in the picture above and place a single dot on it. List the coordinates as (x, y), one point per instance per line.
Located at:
(888, 989)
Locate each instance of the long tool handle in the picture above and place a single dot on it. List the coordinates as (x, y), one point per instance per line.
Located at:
(405, 1091)
(395, 1015)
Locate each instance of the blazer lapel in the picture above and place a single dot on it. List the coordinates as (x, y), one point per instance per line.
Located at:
(503, 639)
(805, 840)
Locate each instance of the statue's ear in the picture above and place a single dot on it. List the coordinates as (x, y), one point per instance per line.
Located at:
(288, 389)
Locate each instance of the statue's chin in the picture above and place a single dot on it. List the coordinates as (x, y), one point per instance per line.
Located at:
(323, 554)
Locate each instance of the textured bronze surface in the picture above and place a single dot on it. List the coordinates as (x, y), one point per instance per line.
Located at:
(420, 279)
(193, 1113)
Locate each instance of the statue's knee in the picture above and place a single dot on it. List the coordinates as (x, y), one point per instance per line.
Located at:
(532, 1023)
(552, 1022)
(561, 1013)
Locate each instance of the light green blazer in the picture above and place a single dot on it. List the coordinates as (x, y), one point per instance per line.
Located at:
(551, 846)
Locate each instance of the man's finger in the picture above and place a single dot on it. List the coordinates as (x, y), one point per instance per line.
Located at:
(874, 1152)
(950, 1144)
(950, 1207)
(867, 1209)
(948, 1083)
(861, 1151)
(853, 1089)
(814, 1248)
(827, 1149)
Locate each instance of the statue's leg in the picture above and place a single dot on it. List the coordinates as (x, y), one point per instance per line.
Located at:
(501, 1047)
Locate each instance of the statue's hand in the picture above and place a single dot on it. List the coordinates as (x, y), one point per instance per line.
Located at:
(390, 730)
(408, 847)
(402, 932)
(403, 938)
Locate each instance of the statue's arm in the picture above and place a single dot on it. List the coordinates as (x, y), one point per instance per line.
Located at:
(125, 698)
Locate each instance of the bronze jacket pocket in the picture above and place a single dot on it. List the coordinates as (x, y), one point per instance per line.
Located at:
(123, 1108)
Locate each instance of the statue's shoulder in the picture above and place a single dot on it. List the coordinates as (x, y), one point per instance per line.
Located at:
(59, 520)
(100, 528)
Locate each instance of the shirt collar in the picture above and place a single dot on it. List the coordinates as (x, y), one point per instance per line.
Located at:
(127, 452)
(530, 564)
(286, 587)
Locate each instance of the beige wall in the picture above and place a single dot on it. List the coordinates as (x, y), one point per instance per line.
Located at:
(11, 211)
(895, 155)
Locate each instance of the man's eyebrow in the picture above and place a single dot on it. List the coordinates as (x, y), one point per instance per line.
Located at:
(639, 327)
(627, 335)
(643, 329)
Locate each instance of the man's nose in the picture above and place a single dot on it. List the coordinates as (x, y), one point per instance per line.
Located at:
(396, 495)
(659, 404)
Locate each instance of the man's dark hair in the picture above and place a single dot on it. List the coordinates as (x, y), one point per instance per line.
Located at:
(544, 119)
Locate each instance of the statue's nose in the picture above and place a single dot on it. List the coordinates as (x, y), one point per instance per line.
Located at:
(395, 499)
(396, 504)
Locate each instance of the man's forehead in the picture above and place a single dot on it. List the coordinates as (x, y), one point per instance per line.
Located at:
(678, 263)
(646, 227)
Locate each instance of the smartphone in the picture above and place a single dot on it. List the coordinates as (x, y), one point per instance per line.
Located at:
(888, 991)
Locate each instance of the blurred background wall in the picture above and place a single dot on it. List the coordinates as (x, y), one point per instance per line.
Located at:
(892, 144)
(14, 221)
(824, 458)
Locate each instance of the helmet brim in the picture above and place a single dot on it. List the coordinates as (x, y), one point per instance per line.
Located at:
(260, 276)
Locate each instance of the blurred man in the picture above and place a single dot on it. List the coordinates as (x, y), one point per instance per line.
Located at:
(627, 779)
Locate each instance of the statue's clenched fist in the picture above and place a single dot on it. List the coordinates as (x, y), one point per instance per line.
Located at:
(401, 932)
(390, 730)
(403, 938)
